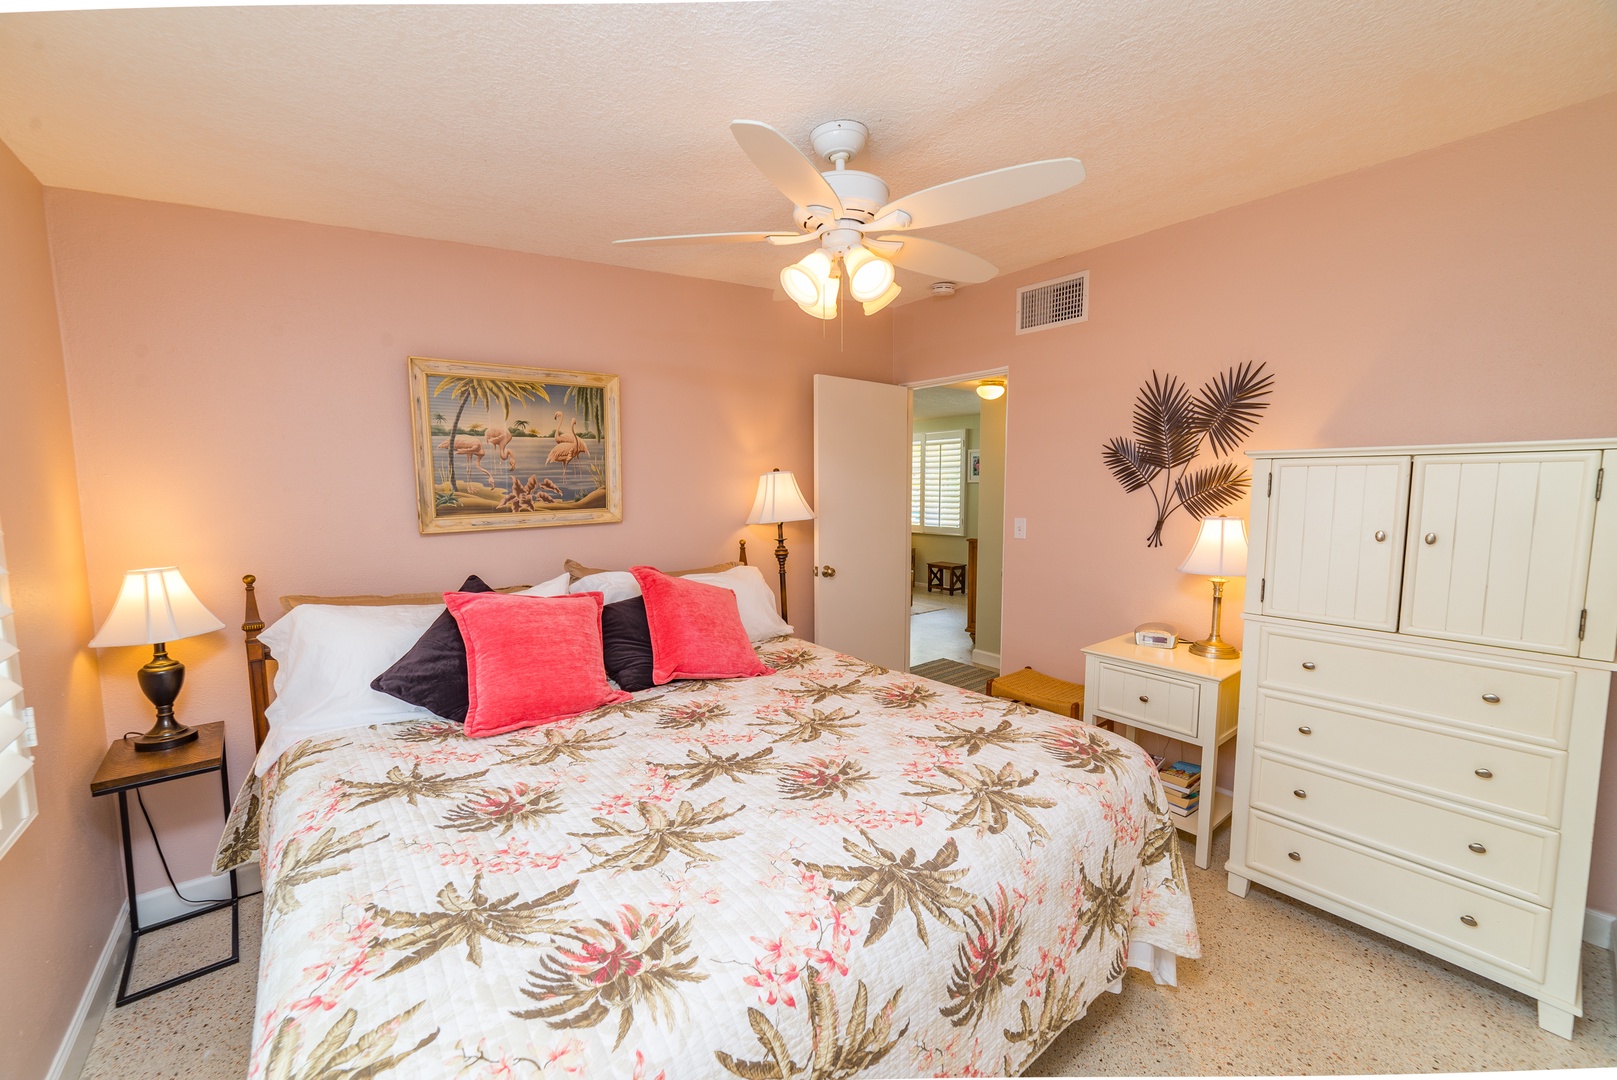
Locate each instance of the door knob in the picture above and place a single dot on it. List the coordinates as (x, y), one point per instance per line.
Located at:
(828, 571)
(1430, 538)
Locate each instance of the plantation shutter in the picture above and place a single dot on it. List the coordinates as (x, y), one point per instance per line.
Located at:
(938, 482)
(18, 803)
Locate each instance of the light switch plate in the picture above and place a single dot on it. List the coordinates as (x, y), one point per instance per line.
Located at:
(1019, 528)
(30, 735)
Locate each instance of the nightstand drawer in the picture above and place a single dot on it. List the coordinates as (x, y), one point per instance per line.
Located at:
(1132, 696)
(1503, 931)
(1512, 697)
(1517, 780)
(1517, 859)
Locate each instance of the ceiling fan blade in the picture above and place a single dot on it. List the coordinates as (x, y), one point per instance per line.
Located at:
(986, 193)
(939, 260)
(785, 166)
(717, 238)
(782, 239)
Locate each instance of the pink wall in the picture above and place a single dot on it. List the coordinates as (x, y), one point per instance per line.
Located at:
(1464, 294)
(240, 404)
(60, 882)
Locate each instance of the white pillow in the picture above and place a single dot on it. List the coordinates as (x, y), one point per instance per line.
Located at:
(326, 657)
(556, 586)
(613, 585)
(758, 611)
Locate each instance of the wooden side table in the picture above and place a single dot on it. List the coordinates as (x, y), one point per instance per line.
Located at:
(1171, 693)
(122, 771)
(949, 576)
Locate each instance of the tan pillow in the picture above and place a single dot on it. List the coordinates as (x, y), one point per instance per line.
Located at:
(578, 570)
(393, 600)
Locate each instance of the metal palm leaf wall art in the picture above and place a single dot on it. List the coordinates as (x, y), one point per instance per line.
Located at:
(1170, 426)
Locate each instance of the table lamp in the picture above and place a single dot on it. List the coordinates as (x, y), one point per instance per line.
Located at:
(156, 606)
(779, 500)
(1220, 554)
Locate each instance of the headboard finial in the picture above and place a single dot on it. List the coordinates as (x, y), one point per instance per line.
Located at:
(257, 676)
(743, 553)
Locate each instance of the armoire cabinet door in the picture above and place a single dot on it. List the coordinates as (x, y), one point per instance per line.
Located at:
(1499, 548)
(1336, 540)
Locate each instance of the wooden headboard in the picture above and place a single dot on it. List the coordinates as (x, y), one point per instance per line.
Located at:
(258, 657)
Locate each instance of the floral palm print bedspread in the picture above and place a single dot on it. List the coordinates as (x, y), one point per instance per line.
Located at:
(832, 872)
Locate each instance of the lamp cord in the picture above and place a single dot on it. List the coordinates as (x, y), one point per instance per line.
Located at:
(158, 844)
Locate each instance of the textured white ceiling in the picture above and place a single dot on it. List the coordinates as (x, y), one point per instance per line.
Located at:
(956, 399)
(558, 128)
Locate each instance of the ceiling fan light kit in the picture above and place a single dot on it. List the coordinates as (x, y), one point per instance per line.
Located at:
(842, 208)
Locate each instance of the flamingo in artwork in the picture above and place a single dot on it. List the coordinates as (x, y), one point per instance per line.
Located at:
(568, 446)
(471, 448)
(500, 439)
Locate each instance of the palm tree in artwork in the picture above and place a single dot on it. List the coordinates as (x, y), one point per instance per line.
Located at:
(485, 393)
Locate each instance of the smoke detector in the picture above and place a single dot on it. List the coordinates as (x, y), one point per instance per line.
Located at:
(943, 288)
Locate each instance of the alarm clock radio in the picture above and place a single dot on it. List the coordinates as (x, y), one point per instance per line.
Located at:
(1158, 635)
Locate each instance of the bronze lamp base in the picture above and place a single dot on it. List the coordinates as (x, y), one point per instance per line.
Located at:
(161, 680)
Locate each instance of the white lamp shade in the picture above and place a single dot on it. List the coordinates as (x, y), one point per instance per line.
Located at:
(779, 499)
(1220, 549)
(154, 605)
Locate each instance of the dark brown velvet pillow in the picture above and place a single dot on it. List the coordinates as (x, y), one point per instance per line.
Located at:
(626, 643)
(432, 675)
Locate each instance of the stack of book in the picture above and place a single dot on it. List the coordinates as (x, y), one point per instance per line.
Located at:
(1181, 782)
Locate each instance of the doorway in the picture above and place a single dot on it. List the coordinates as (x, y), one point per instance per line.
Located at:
(957, 507)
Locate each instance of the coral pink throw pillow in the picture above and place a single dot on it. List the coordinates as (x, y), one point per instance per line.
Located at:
(696, 630)
(530, 660)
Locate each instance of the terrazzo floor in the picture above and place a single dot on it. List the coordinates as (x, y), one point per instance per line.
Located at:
(1281, 989)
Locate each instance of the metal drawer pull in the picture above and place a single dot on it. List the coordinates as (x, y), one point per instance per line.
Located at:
(1293, 856)
(1430, 538)
(1468, 920)
(1381, 536)
(1144, 698)
(1491, 699)
(1486, 774)
(1305, 730)
(1308, 665)
(1478, 848)
(1300, 793)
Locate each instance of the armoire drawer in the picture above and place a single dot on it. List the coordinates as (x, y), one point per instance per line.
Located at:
(1517, 859)
(1495, 928)
(1513, 697)
(1163, 704)
(1521, 781)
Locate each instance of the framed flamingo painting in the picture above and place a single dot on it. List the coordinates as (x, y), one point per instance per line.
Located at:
(501, 447)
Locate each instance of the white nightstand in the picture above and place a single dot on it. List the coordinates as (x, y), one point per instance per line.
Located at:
(1170, 693)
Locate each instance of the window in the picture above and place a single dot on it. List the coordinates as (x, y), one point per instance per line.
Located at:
(18, 805)
(938, 482)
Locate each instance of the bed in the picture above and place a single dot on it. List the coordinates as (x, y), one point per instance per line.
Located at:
(829, 872)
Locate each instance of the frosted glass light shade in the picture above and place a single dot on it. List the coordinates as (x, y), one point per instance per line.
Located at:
(154, 605)
(779, 499)
(869, 275)
(1220, 549)
(884, 299)
(805, 280)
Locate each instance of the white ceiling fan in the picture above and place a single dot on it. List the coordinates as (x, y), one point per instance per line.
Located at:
(862, 235)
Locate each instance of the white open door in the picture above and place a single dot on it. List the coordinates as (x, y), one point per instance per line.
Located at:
(862, 519)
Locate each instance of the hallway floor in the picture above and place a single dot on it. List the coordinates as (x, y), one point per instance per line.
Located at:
(939, 631)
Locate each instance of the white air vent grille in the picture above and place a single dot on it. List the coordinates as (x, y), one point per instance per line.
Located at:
(1052, 303)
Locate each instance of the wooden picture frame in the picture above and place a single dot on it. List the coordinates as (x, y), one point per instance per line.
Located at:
(499, 447)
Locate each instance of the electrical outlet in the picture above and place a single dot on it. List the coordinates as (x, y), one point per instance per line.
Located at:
(30, 735)
(1019, 528)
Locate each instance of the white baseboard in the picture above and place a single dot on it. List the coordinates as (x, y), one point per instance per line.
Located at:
(98, 994)
(160, 904)
(1599, 928)
(985, 659)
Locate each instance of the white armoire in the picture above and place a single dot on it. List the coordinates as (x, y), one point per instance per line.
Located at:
(1430, 636)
